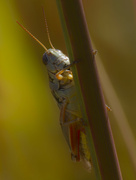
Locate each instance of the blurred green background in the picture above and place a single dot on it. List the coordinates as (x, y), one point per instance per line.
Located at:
(31, 141)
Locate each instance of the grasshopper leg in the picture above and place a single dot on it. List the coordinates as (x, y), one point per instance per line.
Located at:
(63, 112)
(71, 131)
(95, 52)
(63, 115)
(59, 75)
(74, 132)
(108, 108)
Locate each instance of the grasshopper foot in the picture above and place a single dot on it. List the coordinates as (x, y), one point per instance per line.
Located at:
(108, 108)
(95, 52)
(74, 158)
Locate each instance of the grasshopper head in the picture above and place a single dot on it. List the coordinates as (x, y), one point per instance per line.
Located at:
(55, 60)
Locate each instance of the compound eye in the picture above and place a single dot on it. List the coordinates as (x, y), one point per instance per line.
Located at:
(45, 59)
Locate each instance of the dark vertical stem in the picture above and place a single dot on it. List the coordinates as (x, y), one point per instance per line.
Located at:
(89, 89)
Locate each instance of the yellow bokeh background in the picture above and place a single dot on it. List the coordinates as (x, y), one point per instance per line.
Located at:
(31, 142)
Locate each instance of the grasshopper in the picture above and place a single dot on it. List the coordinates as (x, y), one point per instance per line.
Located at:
(63, 89)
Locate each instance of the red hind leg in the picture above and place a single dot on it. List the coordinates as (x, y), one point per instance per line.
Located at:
(75, 142)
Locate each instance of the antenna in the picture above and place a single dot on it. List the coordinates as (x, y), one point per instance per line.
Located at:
(47, 30)
(32, 36)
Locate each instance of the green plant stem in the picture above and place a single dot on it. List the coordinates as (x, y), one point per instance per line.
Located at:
(102, 148)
